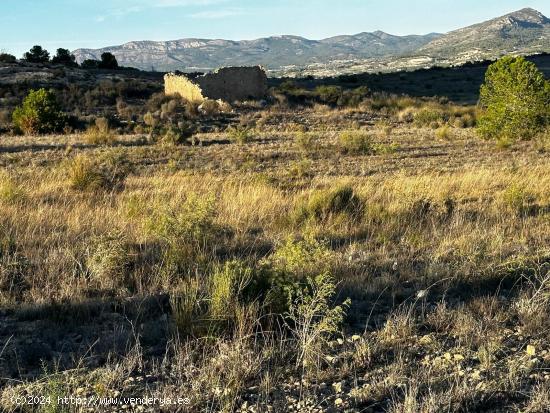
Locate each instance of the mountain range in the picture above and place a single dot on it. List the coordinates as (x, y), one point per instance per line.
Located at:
(526, 31)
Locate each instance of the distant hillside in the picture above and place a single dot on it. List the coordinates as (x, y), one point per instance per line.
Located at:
(523, 32)
(272, 52)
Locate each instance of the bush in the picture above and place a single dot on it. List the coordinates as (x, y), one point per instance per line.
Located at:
(240, 135)
(7, 58)
(107, 260)
(37, 55)
(40, 113)
(313, 319)
(301, 258)
(323, 204)
(92, 174)
(100, 133)
(108, 61)
(355, 143)
(64, 57)
(514, 100)
(305, 141)
(428, 117)
(443, 132)
(176, 136)
(329, 94)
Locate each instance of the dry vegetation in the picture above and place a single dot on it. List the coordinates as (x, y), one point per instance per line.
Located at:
(380, 258)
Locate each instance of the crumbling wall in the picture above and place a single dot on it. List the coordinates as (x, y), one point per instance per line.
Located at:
(228, 84)
(181, 85)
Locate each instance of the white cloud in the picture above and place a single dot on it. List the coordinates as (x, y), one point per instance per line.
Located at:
(217, 14)
(142, 5)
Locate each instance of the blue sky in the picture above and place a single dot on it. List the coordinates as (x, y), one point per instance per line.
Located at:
(97, 23)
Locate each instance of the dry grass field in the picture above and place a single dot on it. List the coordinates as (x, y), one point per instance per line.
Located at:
(306, 260)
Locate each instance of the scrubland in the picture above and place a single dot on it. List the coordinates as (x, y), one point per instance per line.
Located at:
(381, 258)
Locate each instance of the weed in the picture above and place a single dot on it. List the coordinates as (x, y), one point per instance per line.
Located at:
(355, 143)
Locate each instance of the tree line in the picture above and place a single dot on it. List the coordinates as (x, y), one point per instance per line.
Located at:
(37, 54)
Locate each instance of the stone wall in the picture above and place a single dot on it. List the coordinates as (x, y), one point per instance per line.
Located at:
(228, 84)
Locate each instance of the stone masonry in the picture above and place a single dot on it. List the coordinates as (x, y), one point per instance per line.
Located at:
(228, 84)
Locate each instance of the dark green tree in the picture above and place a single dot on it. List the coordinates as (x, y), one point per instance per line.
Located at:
(90, 64)
(7, 58)
(39, 113)
(108, 61)
(514, 100)
(37, 55)
(64, 57)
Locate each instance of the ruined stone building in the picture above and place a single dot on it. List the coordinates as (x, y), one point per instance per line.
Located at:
(228, 84)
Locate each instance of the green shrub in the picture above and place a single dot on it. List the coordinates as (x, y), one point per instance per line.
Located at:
(329, 95)
(37, 55)
(355, 143)
(240, 135)
(64, 57)
(301, 257)
(186, 303)
(92, 174)
(10, 191)
(190, 222)
(305, 141)
(7, 58)
(443, 132)
(108, 259)
(427, 117)
(100, 133)
(514, 100)
(228, 283)
(40, 113)
(313, 319)
(84, 175)
(321, 205)
(108, 61)
(176, 136)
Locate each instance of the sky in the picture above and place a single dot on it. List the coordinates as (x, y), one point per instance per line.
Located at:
(74, 24)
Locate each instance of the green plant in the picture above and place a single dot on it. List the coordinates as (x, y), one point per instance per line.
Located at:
(176, 136)
(84, 175)
(329, 94)
(355, 143)
(100, 133)
(185, 302)
(10, 191)
(312, 318)
(91, 174)
(107, 260)
(108, 61)
(7, 58)
(428, 117)
(321, 205)
(300, 257)
(514, 100)
(39, 113)
(227, 285)
(444, 132)
(240, 134)
(64, 57)
(305, 141)
(37, 55)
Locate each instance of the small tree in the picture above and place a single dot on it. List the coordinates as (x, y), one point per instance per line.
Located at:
(7, 58)
(37, 55)
(39, 113)
(108, 61)
(64, 57)
(90, 64)
(514, 100)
